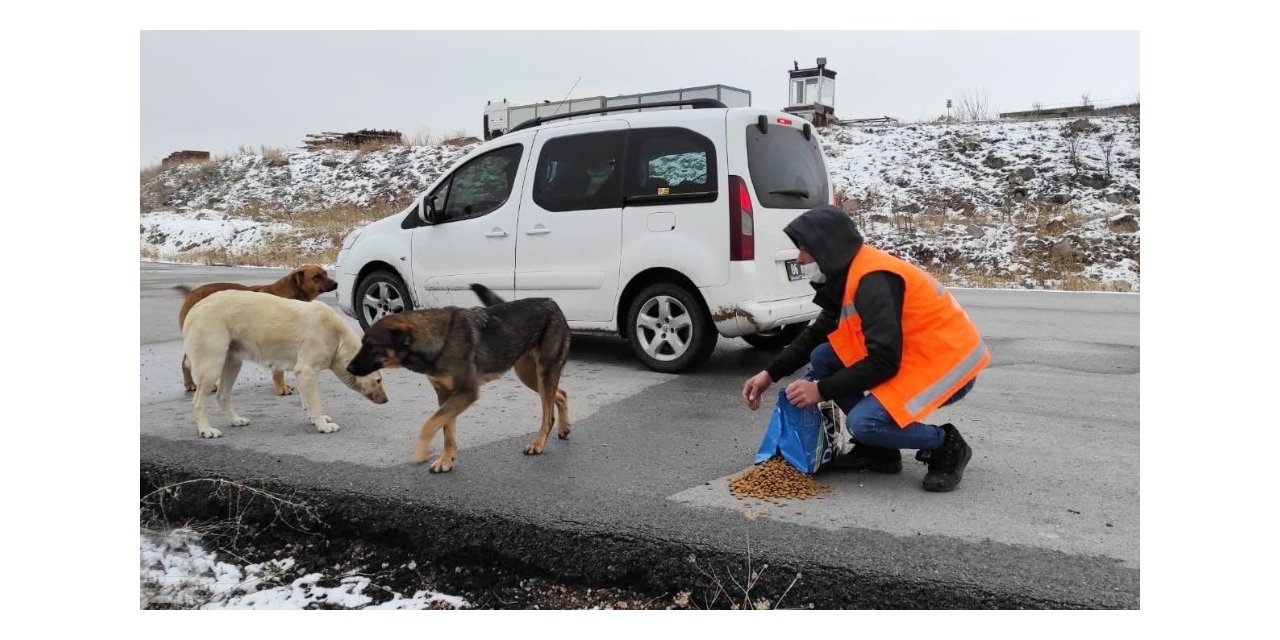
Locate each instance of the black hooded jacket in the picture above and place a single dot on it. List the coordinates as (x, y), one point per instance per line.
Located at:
(829, 235)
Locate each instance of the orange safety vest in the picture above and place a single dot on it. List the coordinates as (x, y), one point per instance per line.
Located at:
(941, 349)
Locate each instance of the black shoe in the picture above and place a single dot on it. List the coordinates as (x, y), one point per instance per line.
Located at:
(947, 463)
(865, 457)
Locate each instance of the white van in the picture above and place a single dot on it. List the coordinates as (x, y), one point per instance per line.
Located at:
(664, 227)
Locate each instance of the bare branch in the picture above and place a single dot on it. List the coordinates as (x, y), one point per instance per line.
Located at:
(239, 497)
(784, 593)
(972, 105)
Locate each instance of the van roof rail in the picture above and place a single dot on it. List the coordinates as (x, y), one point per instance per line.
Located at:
(696, 103)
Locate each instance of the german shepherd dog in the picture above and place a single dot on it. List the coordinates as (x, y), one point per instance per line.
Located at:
(461, 349)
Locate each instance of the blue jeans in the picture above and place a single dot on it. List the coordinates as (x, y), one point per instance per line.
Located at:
(868, 422)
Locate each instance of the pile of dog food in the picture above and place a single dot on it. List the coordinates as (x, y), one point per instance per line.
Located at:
(775, 478)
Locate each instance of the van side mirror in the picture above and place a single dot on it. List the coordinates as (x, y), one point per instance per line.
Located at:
(428, 211)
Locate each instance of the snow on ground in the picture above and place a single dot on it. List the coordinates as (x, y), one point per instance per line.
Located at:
(172, 233)
(177, 571)
(976, 200)
(300, 180)
(986, 164)
(1004, 197)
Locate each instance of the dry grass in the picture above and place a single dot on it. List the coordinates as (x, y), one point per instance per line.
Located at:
(419, 139)
(456, 134)
(1045, 273)
(342, 216)
(953, 276)
(378, 145)
(1057, 275)
(268, 255)
(272, 154)
(316, 237)
(267, 153)
(932, 218)
(149, 172)
(1077, 282)
(1044, 279)
(1028, 213)
(1071, 218)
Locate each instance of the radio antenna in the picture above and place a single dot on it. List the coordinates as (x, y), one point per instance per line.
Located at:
(566, 95)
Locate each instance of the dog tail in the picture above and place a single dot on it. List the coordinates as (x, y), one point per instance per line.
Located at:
(183, 288)
(488, 297)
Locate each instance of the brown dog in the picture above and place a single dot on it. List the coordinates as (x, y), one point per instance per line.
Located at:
(305, 283)
(461, 349)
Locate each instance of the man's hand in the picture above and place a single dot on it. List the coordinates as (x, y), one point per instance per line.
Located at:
(753, 387)
(803, 394)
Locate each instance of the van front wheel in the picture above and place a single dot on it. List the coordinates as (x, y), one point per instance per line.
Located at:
(668, 328)
(380, 294)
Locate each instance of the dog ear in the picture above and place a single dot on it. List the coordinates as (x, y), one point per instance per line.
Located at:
(403, 338)
(401, 334)
(299, 277)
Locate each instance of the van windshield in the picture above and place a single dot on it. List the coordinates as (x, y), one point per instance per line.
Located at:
(785, 168)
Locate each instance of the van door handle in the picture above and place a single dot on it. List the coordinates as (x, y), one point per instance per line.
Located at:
(538, 231)
(496, 233)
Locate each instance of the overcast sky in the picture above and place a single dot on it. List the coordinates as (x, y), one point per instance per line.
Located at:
(220, 90)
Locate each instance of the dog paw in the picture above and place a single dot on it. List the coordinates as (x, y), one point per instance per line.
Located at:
(239, 421)
(440, 467)
(420, 456)
(189, 387)
(328, 427)
(285, 390)
(211, 433)
(563, 434)
(532, 450)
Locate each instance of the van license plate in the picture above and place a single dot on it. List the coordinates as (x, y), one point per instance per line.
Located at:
(793, 270)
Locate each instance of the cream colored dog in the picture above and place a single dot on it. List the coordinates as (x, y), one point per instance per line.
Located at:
(229, 327)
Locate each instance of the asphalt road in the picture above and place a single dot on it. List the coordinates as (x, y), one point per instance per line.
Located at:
(1047, 515)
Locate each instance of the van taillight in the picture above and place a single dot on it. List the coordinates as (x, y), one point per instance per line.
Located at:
(742, 232)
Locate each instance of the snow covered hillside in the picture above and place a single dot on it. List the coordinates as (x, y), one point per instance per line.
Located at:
(1000, 204)
(1043, 204)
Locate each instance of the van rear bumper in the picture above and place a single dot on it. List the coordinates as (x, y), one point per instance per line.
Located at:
(749, 317)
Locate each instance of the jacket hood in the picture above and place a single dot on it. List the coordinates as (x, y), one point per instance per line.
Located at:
(830, 236)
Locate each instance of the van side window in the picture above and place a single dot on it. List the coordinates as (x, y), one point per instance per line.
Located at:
(480, 186)
(580, 172)
(670, 164)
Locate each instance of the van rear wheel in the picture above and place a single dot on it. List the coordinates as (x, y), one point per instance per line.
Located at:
(669, 329)
(777, 338)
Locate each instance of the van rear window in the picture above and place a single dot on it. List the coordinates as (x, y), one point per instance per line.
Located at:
(785, 168)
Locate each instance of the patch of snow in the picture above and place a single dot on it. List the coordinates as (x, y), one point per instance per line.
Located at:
(177, 570)
(169, 233)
